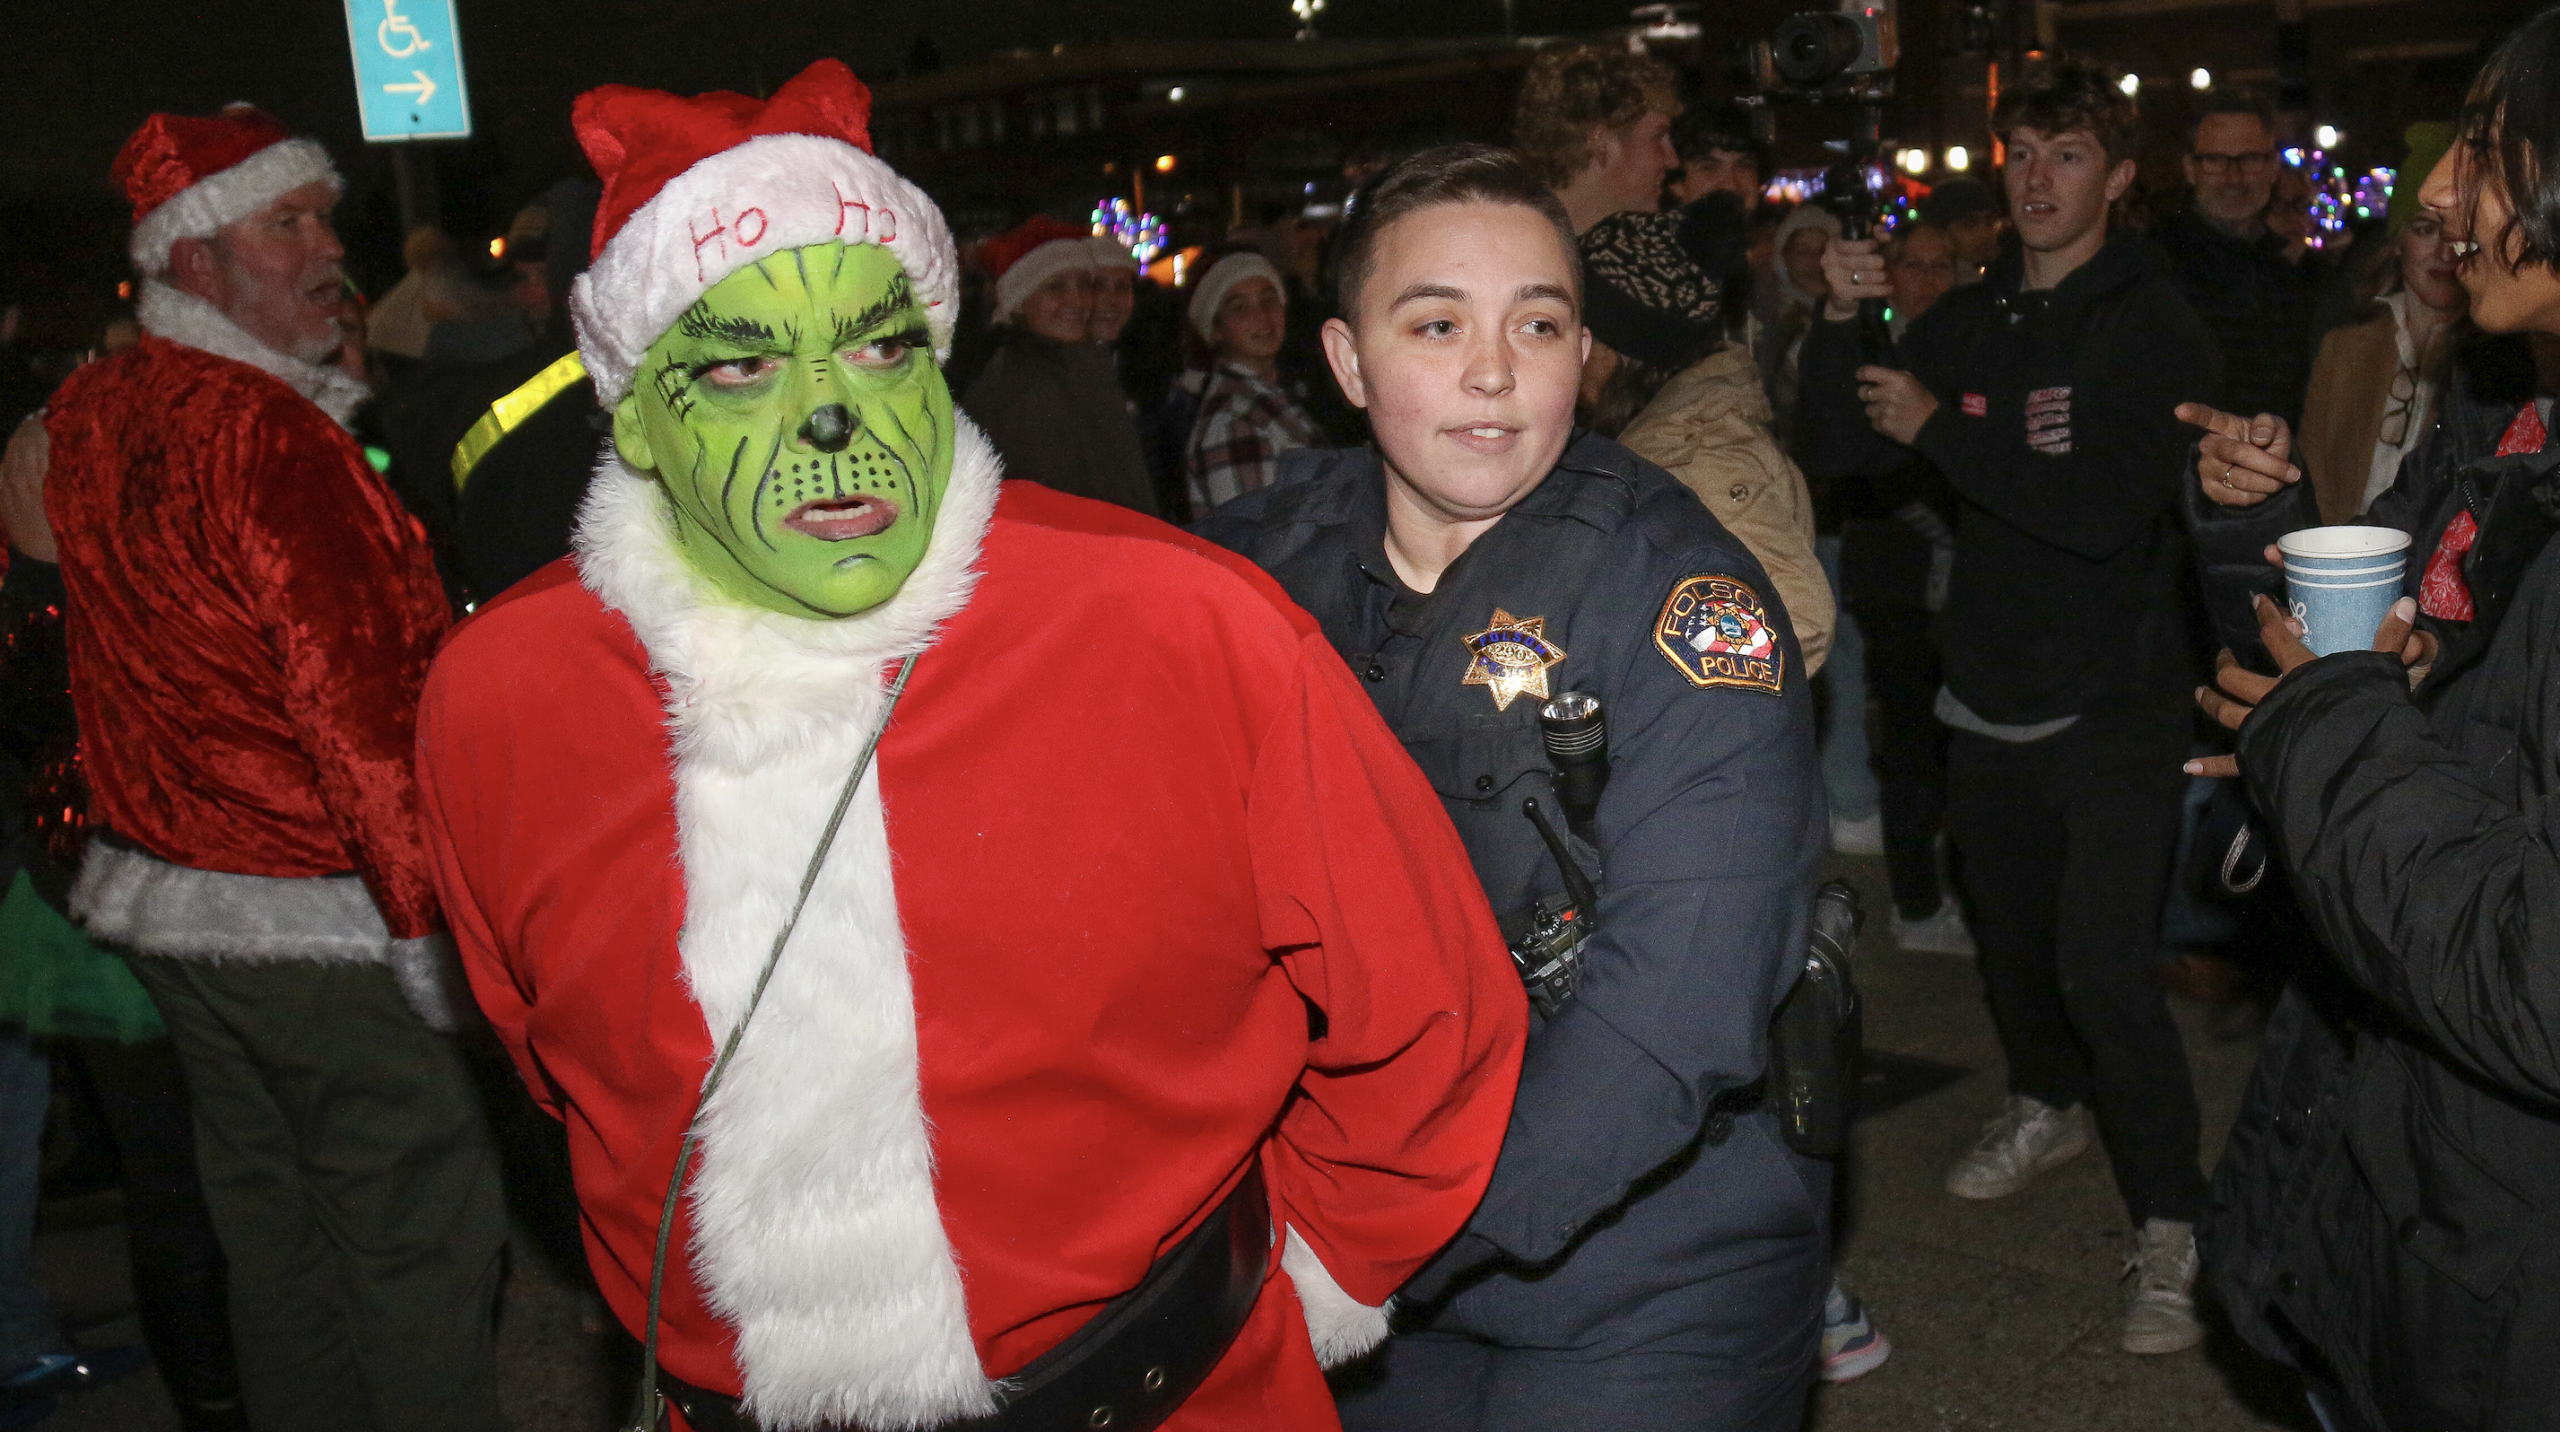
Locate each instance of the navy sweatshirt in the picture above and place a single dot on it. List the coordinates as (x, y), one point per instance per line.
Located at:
(2055, 426)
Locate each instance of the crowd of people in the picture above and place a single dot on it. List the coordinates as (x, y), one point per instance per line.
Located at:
(621, 679)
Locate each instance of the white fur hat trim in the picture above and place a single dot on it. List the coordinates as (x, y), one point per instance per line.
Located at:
(772, 194)
(227, 196)
(1036, 268)
(1223, 276)
(1111, 253)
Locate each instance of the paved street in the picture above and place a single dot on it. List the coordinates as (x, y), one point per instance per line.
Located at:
(2003, 1315)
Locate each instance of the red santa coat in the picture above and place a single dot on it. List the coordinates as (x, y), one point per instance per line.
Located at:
(251, 618)
(1050, 1000)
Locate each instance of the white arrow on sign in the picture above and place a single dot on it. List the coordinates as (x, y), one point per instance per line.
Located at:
(424, 89)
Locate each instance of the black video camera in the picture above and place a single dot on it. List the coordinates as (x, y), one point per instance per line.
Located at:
(1835, 57)
(1843, 54)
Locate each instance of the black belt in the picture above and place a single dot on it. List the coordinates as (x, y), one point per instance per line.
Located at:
(1135, 1362)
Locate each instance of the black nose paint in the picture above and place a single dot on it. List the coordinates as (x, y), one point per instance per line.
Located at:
(828, 429)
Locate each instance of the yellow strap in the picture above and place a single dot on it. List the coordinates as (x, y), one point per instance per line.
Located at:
(509, 412)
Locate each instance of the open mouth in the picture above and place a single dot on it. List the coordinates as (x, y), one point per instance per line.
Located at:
(1485, 438)
(842, 519)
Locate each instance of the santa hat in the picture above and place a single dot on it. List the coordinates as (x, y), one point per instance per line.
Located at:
(1030, 256)
(1111, 253)
(1221, 279)
(696, 189)
(189, 176)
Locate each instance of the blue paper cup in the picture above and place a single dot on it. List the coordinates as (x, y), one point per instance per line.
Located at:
(2342, 581)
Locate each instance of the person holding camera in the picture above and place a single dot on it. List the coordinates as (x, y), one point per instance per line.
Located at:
(1651, 1253)
(2045, 395)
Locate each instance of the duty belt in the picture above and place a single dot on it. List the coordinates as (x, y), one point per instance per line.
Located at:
(1134, 1363)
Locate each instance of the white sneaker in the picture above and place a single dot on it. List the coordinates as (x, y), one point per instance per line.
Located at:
(1852, 1345)
(1863, 836)
(2027, 1138)
(1941, 932)
(2162, 1315)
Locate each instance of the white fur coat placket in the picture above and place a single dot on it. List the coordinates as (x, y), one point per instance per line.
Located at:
(816, 1231)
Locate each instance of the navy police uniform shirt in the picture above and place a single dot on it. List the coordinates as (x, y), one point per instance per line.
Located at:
(1609, 578)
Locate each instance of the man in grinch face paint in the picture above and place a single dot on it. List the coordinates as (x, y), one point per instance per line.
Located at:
(802, 429)
(1041, 1037)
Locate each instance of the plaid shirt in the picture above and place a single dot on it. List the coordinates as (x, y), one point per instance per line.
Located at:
(1244, 426)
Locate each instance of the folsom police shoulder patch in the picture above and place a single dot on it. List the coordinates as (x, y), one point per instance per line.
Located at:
(1717, 631)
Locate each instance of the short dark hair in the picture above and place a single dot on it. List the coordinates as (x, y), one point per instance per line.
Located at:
(2071, 95)
(2509, 132)
(1434, 178)
(2233, 101)
(1725, 129)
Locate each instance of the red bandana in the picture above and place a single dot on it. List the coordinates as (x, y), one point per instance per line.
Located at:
(2442, 593)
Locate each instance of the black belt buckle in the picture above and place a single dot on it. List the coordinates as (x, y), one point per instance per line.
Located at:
(1135, 1362)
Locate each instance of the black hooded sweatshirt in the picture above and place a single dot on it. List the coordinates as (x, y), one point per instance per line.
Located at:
(2055, 427)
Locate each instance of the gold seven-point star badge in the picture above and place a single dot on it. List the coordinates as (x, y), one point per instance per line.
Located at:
(1512, 656)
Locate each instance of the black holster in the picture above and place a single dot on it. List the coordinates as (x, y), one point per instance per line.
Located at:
(1816, 1037)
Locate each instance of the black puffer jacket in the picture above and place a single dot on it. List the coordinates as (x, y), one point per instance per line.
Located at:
(2388, 1207)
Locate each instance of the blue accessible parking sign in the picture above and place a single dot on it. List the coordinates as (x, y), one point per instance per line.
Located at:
(408, 70)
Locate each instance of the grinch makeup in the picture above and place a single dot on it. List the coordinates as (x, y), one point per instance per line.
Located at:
(802, 432)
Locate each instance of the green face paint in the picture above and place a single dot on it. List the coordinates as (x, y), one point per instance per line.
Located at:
(799, 424)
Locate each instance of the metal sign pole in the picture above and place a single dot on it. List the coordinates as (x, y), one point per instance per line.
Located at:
(413, 182)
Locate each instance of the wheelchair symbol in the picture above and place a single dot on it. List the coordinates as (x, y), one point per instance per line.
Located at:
(397, 27)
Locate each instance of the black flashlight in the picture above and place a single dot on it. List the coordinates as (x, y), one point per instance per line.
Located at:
(1577, 741)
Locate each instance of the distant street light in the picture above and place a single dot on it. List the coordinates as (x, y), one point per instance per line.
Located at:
(2131, 84)
(1174, 94)
(2326, 136)
(2200, 78)
(1913, 161)
(1306, 11)
(1959, 158)
(1164, 164)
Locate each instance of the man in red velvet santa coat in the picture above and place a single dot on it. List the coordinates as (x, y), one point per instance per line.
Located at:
(251, 615)
(1140, 922)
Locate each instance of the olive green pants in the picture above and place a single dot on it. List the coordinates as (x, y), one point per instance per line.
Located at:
(352, 1180)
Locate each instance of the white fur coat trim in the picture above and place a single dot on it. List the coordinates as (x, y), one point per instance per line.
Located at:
(770, 195)
(1341, 1326)
(143, 903)
(185, 319)
(817, 1235)
(227, 196)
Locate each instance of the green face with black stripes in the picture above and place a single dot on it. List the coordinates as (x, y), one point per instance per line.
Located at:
(801, 430)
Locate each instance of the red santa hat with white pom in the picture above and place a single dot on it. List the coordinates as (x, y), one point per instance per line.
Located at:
(189, 176)
(696, 189)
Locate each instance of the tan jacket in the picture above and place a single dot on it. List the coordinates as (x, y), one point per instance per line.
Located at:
(1709, 427)
(2342, 415)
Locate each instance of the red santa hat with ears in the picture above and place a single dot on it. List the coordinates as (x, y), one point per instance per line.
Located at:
(696, 189)
(189, 176)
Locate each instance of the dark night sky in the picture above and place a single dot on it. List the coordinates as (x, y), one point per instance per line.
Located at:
(77, 75)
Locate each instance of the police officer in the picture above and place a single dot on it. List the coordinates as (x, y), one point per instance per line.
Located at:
(1650, 1254)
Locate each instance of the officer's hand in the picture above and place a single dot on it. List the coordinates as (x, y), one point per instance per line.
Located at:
(1897, 403)
(2241, 462)
(1855, 271)
(2243, 690)
(22, 470)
